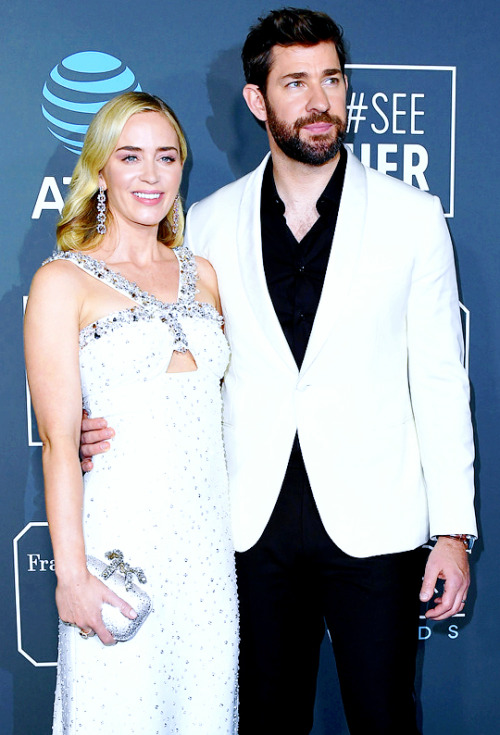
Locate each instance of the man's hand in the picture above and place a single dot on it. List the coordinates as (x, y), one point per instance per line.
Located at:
(448, 560)
(93, 440)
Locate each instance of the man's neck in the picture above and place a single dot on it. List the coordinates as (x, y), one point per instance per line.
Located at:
(300, 185)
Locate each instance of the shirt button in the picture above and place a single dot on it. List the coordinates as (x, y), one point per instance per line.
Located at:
(301, 268)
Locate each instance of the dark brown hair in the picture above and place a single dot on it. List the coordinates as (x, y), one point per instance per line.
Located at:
(287, 27)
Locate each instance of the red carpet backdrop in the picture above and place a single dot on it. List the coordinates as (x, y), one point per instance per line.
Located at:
(423, 107)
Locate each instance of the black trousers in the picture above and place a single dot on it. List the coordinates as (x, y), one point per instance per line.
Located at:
(292, 581)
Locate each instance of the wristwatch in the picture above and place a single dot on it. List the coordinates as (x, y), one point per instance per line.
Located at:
(465, 538)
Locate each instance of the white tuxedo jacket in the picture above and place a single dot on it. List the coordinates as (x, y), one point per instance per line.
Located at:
(381, 400)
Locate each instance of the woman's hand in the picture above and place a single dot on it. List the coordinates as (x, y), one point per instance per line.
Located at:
(80, 602)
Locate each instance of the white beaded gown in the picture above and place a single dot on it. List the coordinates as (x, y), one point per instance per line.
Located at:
(160, 495)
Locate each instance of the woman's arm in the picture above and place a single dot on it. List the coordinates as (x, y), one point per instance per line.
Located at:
(51, 343)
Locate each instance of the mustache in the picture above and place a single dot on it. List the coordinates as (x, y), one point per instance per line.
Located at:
(319, 117)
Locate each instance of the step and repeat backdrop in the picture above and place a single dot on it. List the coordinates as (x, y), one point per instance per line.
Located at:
(423, 107)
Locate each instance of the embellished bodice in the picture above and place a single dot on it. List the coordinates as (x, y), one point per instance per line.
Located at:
(134, 345)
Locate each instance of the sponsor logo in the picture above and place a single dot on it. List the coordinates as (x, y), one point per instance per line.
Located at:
(77, 88)
(453, 631)
(36, 613)
(401, 120)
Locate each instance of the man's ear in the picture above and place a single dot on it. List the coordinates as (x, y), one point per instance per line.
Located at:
(255, 101)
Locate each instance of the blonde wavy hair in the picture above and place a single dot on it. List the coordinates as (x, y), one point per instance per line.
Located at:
(76, 230)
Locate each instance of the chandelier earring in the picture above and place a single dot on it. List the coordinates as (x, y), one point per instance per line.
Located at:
(101, 212)
(175, 216)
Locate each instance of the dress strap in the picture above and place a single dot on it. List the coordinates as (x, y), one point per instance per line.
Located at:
(99, 270)
(188, 274)
(167, 312)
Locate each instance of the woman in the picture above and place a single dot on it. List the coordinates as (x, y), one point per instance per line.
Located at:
(152, 365)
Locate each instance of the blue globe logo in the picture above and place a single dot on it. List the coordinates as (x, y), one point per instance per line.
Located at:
(77, 88)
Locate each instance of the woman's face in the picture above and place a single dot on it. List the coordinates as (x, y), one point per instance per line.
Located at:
(143, 174)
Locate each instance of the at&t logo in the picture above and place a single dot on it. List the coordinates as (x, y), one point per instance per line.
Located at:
(77, 88)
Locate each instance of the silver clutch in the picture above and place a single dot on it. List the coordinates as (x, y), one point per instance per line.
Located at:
(118, 576)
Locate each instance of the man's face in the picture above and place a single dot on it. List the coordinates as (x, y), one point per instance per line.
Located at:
(306, 102)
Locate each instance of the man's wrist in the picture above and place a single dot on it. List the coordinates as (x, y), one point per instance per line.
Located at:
(463, 538)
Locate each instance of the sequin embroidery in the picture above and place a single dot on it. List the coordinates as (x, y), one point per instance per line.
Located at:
(147, 305)
(160, 494)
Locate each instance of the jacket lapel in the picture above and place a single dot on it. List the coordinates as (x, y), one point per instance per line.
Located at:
(346, 249)
(249, 241)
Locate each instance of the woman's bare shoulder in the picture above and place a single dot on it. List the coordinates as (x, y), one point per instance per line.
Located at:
(58, 277)
(205, 270)
(207, 283)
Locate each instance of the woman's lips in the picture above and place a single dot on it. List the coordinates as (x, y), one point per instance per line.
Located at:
(148, 197)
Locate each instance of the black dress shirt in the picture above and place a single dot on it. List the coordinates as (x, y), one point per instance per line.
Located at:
(295, 271)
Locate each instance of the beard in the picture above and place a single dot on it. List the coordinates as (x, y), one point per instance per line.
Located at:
(319, 149)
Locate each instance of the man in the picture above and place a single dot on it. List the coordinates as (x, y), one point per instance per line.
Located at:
(346, 417)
